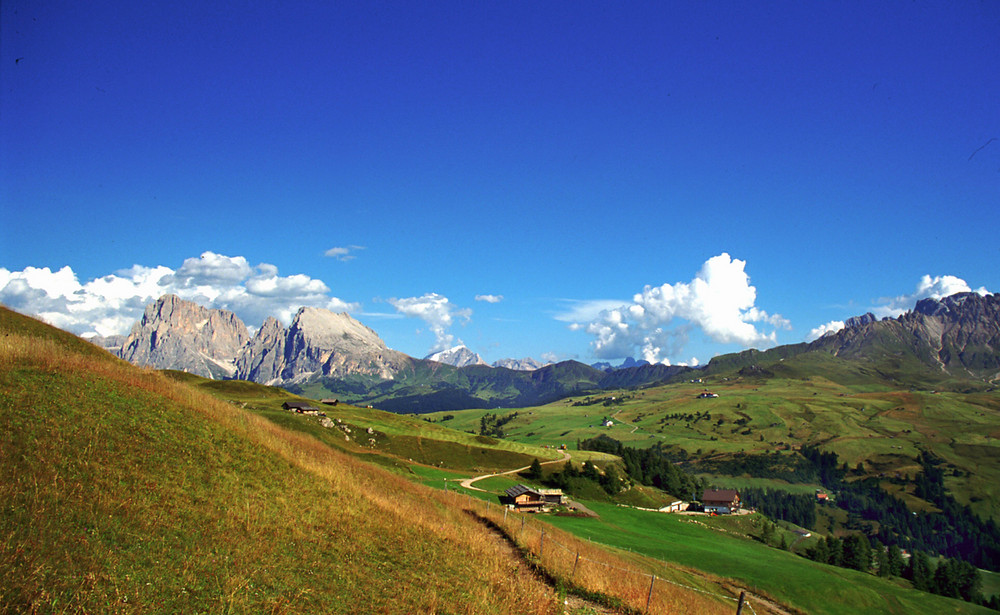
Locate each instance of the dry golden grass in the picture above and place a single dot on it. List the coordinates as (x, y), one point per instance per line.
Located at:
(139, 494)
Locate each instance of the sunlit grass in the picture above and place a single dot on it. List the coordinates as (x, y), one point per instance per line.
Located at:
(126, 491)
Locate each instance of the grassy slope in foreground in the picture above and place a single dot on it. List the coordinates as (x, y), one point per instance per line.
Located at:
(122, 490)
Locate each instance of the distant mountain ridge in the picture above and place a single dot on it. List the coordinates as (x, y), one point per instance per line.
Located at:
(181, 335)
(324, 354)
(958, 335)
(953, 337)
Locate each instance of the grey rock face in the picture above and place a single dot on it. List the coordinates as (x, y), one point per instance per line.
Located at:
(321, 341)
(521, 365)
(111, 343)
(181, 335)
(263, 359)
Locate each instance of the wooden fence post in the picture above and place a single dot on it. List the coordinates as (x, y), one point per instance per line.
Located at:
(541, 546)
(649, 597)
(575, 562)
(739, 607)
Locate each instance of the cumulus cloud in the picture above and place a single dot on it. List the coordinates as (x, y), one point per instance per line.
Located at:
(719, 301)
(490, 298)
(343, 253)
(110, 304)
(438, 312)
(831, 327)
(928, 287)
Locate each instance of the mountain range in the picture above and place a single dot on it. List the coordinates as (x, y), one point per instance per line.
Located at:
(327, 354)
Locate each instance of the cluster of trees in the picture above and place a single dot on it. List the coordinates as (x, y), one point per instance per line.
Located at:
(789, 467)
(648, 466)
(689, 417)
(799, 509)
(577, 481)
(953, 578)
(492, 425)
(615, 400)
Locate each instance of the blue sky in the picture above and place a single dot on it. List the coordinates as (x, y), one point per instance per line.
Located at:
(765, 169)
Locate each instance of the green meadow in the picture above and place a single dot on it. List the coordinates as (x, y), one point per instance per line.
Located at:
(863, 422)
(719, 546)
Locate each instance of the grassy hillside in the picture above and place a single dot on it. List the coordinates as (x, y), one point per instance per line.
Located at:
(838, 408)
(124, 490)
(374, 433)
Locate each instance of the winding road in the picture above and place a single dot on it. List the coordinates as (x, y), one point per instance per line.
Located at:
(467, 483)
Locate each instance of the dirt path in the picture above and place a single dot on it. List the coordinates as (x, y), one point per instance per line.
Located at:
(467, 483)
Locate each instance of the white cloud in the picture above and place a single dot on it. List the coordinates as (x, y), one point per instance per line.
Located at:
(830, 327)
(928, 287)
(719, 301)
(435, 310)
(490, 298)
(343, 253)
(112, 303)
(577, 311)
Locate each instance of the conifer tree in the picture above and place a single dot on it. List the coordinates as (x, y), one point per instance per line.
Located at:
(535, 470)
(895, 560)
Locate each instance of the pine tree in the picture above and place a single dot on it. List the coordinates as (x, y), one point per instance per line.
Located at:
(767, 532)
(882, 561)
(535, 470)
(920, 573)
(835, 548)
(857, 552)
(895, 560)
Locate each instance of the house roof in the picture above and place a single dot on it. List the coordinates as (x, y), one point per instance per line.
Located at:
(303, 405)
(719, 495)
(517, 490)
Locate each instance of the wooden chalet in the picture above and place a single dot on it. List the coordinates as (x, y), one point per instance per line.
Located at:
(301, 407)
(523, 497)
(329, 402)
(721, 501)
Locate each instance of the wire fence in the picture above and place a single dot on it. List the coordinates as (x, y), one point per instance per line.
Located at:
(590, 568)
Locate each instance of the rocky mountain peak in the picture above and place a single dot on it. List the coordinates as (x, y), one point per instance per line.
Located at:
(178, 334)
(959, 334)
(459, 356)
(334, 344)
(856, 322)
